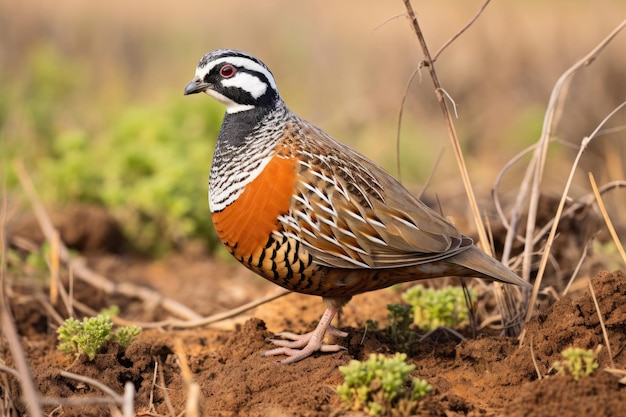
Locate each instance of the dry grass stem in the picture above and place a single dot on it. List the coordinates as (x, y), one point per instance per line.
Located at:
(532, 357)
(546, 250)
(604, 333)
(515, 215)
(463, 29)
(164, 389)
(607, 219)
(429, 179)
(118, 399)
(508, 296)
(574, 206)
(154, 378)
(30, 394)
(194, 395)
(400, 114)
(579, 264)
(482, 237)
(618, 373)
(54, 267)
(539, 157)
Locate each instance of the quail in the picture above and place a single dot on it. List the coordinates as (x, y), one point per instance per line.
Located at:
(311, 214)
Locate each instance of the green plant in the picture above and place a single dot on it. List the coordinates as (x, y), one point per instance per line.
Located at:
(380, 384)
(371, 324)
(149, 168)
(400, 320)
(88, 335)
(438, 307)
(577, 362)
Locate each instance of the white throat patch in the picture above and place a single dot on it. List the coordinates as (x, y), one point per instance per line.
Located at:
(231, 106)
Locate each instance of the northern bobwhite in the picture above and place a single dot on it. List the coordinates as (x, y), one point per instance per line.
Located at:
(312, 215)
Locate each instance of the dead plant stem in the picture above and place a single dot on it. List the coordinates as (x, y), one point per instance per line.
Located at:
(602, 326)
(29, 390)
(546, 251)
(439, 91)
(607, 219)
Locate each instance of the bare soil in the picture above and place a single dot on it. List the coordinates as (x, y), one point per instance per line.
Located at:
(489, 375)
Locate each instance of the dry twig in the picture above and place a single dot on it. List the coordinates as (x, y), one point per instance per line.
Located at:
(604, 333)
(546, 251)
(507, 297)
(29, 391)
(194, 395)
(607, 219)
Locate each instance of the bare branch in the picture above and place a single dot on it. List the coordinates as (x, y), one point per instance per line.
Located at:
(29, 390)
(463, 29)
(546, 251)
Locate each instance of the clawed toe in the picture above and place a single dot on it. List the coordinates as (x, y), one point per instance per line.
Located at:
(297, 347)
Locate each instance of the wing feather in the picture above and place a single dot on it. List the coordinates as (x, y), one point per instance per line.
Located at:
(357, 215)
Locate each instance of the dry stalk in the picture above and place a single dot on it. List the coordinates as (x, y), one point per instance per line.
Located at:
(537, 163)
(532, 356)
(154, 377)
(507, 297)
(164, 389)
(463, 29)
(194, 395)
(579, 264)
(29, 390)
(620, 373)
(54, 267)
(546, 251)
(125, 401)
(439, 92)
(515, 215)
(117, 399)
(602, 326)
(607, 219)
(203, 321)
(400, 114)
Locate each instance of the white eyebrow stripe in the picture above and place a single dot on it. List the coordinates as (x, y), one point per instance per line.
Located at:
(242, 62)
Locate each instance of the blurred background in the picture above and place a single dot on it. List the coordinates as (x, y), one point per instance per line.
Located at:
(91, 96)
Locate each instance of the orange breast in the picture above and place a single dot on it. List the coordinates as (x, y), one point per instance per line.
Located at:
(245, 225)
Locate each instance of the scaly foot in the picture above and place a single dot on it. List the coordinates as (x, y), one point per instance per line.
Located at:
(298, 347)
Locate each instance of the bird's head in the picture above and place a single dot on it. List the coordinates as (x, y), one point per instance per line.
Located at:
(236, 79)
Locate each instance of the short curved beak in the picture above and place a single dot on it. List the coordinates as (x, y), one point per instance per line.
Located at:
(195, 86)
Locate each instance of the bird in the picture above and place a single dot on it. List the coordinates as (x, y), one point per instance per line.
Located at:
(311, 214)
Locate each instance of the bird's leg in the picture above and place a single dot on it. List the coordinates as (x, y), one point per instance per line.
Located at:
(298, 347)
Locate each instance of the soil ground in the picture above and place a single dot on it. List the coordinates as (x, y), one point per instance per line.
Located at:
(489, 375)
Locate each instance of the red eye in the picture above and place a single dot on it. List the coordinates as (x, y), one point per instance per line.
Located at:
(227, 71)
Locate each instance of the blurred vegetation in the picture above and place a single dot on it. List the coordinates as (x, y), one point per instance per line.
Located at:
(148, 167)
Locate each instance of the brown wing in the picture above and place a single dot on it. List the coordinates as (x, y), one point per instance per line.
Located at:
(350, 213)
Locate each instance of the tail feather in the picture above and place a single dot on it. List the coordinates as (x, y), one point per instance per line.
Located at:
(487, 267)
